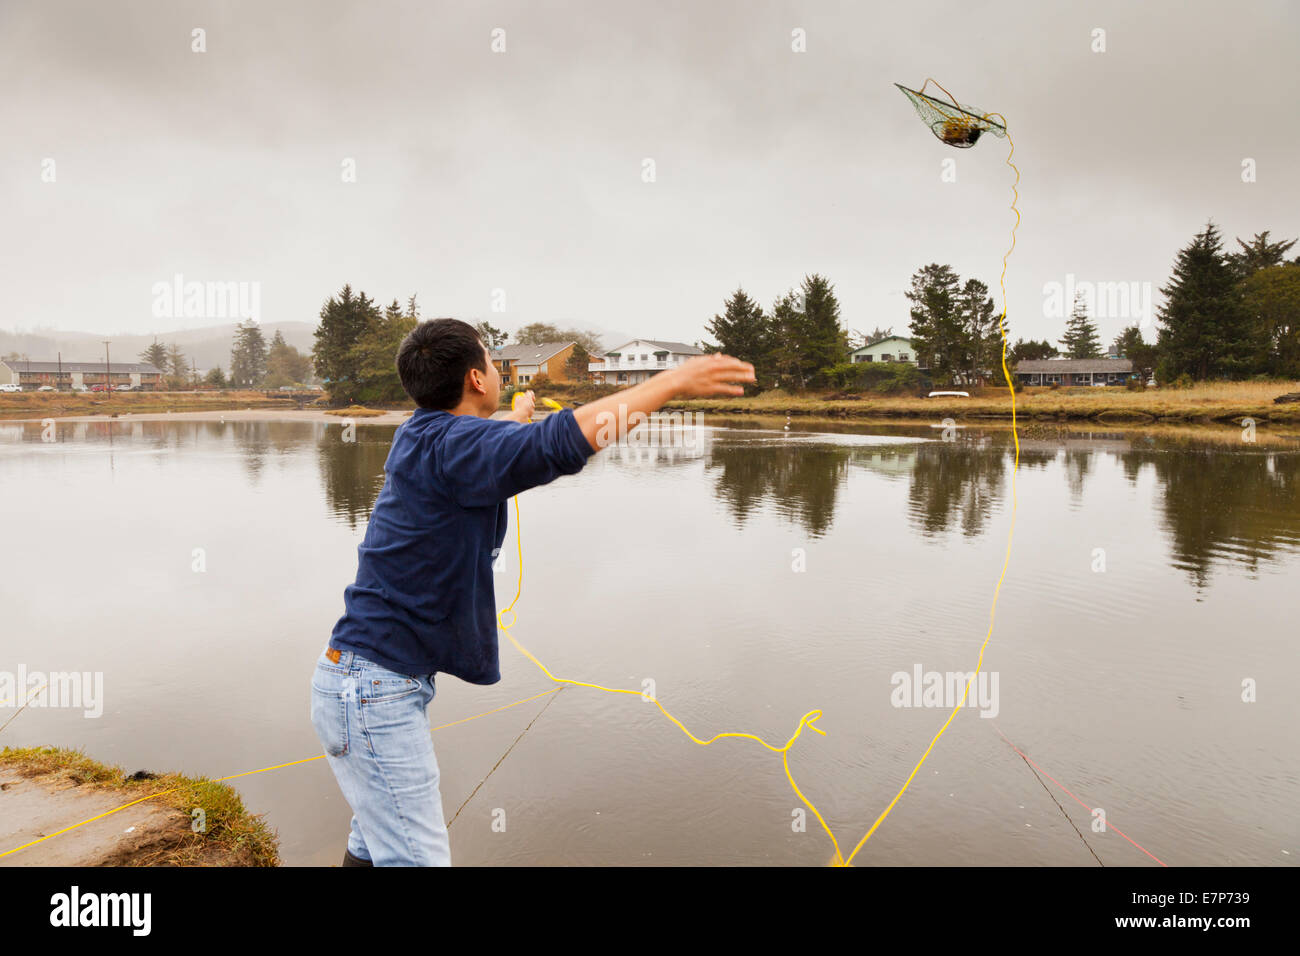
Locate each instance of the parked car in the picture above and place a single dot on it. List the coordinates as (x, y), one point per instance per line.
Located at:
(46, 388)
(99, 388)
(123, 388)
(11, 388)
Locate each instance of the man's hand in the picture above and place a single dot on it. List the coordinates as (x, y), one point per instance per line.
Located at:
(523, 404)
(699, 377)
(706, 376)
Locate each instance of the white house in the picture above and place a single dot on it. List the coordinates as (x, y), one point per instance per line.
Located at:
(891, 348)
(637, 360)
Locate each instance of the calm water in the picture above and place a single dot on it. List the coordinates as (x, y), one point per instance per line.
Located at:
(753, 575)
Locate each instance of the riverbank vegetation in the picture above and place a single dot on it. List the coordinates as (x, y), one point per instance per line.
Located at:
(226, 833)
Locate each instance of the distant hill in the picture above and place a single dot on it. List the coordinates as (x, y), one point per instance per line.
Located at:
(207, 347)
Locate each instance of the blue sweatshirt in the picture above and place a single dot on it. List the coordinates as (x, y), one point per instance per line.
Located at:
(423, 598)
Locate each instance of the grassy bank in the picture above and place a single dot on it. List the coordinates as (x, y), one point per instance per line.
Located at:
(1207, 403)
(64, 404)
(232, 836)
(1201, 404)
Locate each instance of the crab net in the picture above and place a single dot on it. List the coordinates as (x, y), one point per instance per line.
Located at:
(957, 124)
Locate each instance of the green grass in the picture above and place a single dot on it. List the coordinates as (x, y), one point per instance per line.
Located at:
(232, 837)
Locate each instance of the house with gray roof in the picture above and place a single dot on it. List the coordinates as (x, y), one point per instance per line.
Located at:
(520, 364)
(636, 361)
(1063, 371)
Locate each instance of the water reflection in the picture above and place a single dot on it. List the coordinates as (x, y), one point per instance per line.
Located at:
(802, 481)
(1241, 508)
(1218, 504)
(352, 471)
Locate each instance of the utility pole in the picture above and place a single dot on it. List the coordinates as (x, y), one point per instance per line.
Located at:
(108, 368)
(58, 379)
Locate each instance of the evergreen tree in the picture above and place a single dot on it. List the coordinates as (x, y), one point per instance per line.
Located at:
(216, 377)
(745, 332)
(825, 342)
(285, 365)
(1030, 350)
(1205, 329)
(376, 354)
(983, 335)
(1258, 254)
(344, 319)
(783, 355)
(492, 337)
(155, 355)
(177, 364)
(936, 325)
(576, 367)
(1081, 340)
(1130, 345)
(1272, 299)
(248, 356)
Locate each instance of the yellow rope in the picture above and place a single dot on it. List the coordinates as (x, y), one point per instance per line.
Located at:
(1010, 531)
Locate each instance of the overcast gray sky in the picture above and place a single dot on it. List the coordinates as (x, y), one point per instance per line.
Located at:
(523, 170)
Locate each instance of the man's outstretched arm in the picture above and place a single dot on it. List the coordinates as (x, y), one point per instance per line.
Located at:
(701, 377)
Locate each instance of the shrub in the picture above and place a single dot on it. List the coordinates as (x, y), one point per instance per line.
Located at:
(540, 380)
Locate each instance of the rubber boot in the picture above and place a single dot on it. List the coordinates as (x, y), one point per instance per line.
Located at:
(350, 860)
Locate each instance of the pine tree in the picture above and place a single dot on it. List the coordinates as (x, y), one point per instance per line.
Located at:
(825, 342)
(343, 321)
(1272, 298)
(1081, 340)
(1024, 351)
(1205, 329)
(936, 325)
(155, 355)
(216, 377)
(743, 331)
(285, 365)
(979, 320)
(248, 356)
(376, 354)
(176, 361)
(492, 337)
(578, 363)
(1258, 254)
(1130, 345)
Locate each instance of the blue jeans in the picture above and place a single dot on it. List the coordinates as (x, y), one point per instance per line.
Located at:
(375, 731)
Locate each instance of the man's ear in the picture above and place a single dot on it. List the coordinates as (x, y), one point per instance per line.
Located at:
(475, 381)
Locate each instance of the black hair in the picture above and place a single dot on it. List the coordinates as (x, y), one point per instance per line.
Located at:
(434, 358)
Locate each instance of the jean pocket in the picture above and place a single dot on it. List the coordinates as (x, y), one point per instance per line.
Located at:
(381, 686)
(329, 713)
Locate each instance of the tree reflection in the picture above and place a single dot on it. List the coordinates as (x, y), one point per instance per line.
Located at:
(1222, 506)
(802, 481)
(353, 471)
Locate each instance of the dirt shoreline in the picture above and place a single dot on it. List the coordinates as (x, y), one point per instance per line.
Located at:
(177, 821)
